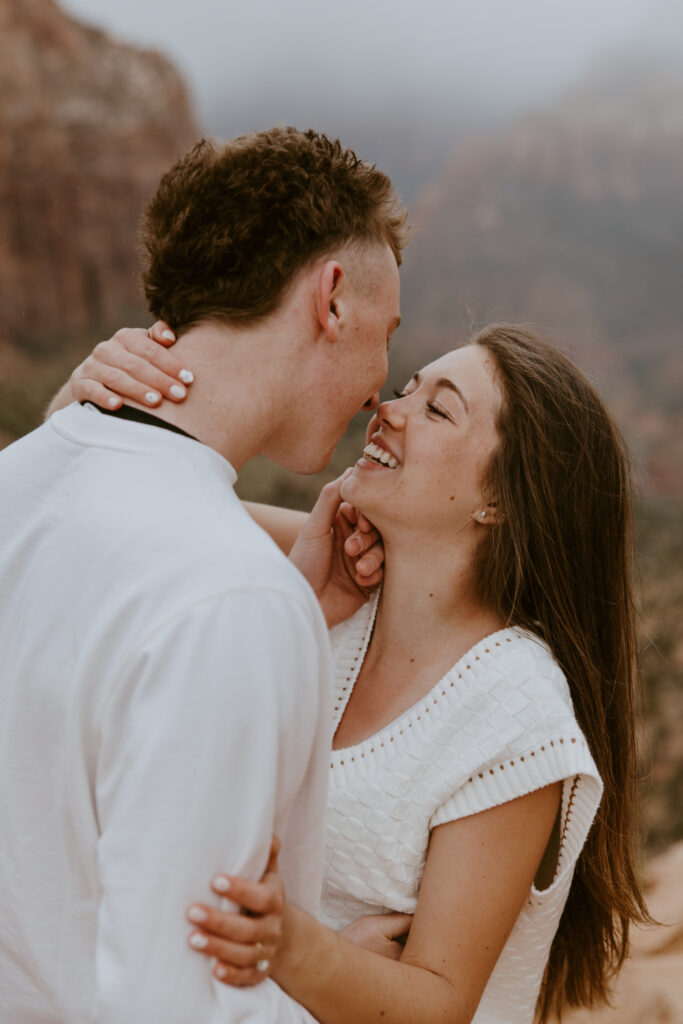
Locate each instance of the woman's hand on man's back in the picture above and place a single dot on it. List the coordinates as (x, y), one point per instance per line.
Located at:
(134, 364)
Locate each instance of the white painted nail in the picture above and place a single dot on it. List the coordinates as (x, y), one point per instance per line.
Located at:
(177, 390)
(197, 915)
(152, 397)
(221, 971)
(112, 402)
(169, 335)
(221, 883)
(186, 376)
(198, 941)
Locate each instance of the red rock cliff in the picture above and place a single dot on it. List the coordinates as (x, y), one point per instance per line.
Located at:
(87, 125)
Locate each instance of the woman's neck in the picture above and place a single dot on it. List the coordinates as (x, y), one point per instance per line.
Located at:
(429, 604)
(428, 618)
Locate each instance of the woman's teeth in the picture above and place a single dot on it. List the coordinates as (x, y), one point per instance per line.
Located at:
(381, 455)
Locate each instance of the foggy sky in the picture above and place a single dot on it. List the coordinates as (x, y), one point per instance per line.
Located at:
(507, 54)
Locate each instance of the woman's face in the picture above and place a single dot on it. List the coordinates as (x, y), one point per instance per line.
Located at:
(427, 451)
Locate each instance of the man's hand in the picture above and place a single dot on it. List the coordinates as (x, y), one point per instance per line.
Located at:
(380, 933)
(340, 553)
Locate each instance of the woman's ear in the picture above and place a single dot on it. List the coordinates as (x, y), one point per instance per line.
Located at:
(330, 283)
(489, 516)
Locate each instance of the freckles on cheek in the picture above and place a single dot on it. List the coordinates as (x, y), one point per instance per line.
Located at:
(444, 475)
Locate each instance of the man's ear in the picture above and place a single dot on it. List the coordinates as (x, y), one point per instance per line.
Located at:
(330, 285)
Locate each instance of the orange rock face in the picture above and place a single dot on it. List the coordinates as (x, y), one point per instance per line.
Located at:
(87, 125)
(650, 987)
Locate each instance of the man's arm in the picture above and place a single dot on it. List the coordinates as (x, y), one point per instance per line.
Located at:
(209, 744)
(282, 524)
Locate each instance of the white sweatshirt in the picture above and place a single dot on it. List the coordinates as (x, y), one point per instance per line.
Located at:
(164, 706)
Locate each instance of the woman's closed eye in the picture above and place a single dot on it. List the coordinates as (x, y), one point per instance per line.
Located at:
(431, 406)
(438, 411)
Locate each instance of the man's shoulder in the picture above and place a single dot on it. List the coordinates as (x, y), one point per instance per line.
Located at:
(154, 514)
(251, 559)
(215, 550)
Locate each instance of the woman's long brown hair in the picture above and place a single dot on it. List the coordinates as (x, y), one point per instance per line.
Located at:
(560, 563)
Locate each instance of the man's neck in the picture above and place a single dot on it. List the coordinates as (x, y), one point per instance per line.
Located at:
(230, 406)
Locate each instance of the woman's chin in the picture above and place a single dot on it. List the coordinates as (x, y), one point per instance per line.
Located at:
(348, 487)
(356, 493)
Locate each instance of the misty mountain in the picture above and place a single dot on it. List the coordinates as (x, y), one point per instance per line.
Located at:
(409, 135)
(572, 219)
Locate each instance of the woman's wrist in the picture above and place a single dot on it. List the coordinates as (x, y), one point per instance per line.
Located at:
(293, 947)
(306, 951)
(63, 398)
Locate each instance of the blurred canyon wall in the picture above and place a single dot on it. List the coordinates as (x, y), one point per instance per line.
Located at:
(573, 220)
(87, 125)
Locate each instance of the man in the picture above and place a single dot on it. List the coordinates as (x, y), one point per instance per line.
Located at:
(165, 680)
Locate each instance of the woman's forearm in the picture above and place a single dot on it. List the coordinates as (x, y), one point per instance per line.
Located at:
(60, 401)
(339, 982)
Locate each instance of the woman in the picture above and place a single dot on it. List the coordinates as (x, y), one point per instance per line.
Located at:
(483, 700)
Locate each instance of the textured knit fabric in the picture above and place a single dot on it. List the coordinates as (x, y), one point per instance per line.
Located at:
(498, 725)
(164, 706)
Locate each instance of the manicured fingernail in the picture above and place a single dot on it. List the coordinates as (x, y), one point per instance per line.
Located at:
(221, 883)
(169, 335)
(364, 565)
(198, 941)
(221, 972)
(197, 915)
(186, 376)
(177, 390)
(112, 402)
(152, 397)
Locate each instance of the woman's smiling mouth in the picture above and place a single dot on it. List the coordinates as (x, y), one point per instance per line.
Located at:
(381, 456)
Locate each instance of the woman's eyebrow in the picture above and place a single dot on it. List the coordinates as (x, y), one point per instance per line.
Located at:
(444, 382)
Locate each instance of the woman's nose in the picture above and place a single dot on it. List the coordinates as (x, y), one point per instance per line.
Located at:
(372, 402)
(391, 413)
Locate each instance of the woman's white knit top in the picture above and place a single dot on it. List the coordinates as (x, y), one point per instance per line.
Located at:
(498, 725)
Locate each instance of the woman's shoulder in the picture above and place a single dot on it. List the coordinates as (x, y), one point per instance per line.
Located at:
(507, 694)
(515, 646)
(513, 728)
(513, 661)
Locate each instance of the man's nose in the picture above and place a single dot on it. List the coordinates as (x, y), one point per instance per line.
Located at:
(372, 402)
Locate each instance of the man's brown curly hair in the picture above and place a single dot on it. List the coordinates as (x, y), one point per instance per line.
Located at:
(232, 224)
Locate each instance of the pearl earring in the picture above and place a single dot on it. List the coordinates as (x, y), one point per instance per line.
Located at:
(483, 515)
